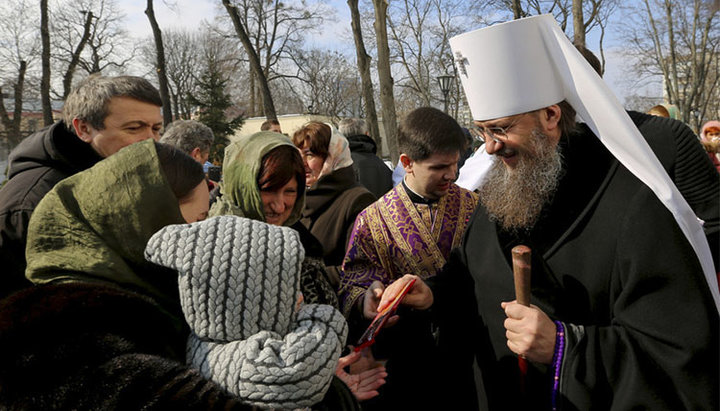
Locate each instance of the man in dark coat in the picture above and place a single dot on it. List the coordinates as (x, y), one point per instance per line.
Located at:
(100, 116)
(371, 170)
(624, 299)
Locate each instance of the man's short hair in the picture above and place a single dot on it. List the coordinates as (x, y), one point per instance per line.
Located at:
(352, 127)
(567, 118)
(267, 125)
(181, 171)
(89, 100)
(187, 135)
(426, 131)
(591, 58)
(659, 110)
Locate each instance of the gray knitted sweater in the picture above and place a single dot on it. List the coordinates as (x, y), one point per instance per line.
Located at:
(239, 283)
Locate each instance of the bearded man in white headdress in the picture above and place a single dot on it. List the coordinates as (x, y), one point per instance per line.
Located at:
(624, 294)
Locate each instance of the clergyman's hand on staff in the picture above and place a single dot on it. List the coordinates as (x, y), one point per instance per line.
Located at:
(419, 296)
(529, 331)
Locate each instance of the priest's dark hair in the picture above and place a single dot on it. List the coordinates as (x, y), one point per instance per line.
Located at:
(181, 171)
(426, 131)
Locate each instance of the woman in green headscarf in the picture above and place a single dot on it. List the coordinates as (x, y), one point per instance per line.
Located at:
(94, 226)
(102, 328)
(264, 179)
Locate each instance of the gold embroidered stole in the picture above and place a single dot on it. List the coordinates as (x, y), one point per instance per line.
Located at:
(422, 267)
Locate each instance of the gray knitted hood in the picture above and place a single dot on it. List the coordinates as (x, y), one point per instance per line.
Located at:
(239, 282)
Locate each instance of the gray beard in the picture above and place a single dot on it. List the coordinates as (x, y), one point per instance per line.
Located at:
(515, 198)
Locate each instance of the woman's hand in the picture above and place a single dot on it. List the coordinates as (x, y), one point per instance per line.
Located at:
(365, 377)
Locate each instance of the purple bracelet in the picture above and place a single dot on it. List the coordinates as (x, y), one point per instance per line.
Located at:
(557, 361)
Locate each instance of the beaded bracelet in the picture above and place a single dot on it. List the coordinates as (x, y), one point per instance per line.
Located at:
(557, 360)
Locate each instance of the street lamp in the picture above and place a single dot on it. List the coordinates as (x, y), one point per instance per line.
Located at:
(445, 82)
(695, 112)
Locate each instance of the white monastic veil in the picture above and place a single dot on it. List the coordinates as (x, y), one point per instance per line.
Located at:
(527, 64)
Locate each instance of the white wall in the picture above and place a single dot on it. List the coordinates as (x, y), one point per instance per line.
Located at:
(289, 123)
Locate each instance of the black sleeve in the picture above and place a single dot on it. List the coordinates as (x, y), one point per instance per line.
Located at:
(13, 237)
(688, 165)
(697, 179)
(660, 350)
(458, 327)
(699, 183)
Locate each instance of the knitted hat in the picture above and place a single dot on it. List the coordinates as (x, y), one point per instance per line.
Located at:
(238, 281)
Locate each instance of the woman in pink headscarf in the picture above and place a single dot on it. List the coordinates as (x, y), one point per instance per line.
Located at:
(710, 138)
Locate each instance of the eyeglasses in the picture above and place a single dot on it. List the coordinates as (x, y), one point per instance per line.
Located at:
(498, 134)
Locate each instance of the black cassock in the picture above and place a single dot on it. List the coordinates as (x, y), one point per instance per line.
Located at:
(610, 263)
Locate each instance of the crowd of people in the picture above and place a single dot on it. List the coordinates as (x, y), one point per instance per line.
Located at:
(132, 280)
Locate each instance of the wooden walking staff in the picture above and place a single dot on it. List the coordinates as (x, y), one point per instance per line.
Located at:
(521, 273)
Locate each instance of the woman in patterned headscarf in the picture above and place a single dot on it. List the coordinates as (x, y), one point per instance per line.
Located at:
(334, 195)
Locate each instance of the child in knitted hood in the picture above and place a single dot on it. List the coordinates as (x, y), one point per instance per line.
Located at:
(239, 283)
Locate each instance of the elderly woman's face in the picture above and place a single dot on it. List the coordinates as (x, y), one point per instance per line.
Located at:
(278, 204)
(313, 165)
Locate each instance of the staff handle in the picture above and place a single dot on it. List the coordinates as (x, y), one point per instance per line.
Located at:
(521, 272)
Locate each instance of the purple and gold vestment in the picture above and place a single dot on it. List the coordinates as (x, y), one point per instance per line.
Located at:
(394, 236)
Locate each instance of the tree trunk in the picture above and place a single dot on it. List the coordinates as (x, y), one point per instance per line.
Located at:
(268, 105)
(75, 60)
(386, 81)
(176, 105)
(517, 9)
(253, 93)
(363, 60)
(161, 71)
(578, 23)
(673, 56)
(12, 126)
(45, 81)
